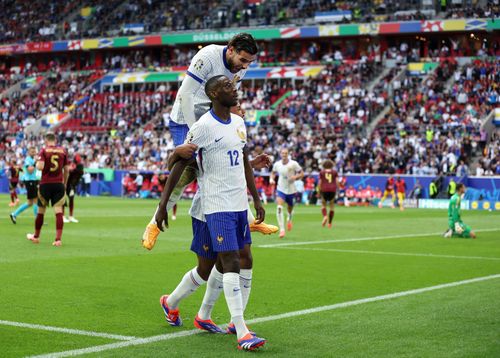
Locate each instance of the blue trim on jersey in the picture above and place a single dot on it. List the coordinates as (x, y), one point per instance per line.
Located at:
(224, 58)
(219, 119)
(194, 77)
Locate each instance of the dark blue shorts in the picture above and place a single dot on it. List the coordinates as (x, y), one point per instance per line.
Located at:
(229, 231)
(178, 132)
(288, 198)
(202, 242)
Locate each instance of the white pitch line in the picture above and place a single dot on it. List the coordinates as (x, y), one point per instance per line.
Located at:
(394, 253)
(67, 330)
(164, 337)
(334, 241)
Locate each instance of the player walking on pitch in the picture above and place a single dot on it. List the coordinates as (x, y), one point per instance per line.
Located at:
(53, 162)
(328, 183)
(30, 181)
(288, 171)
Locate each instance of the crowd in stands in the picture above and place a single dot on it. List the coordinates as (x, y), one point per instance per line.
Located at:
(37, 20)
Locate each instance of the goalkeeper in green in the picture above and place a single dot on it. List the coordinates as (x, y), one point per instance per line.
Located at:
(456, 228)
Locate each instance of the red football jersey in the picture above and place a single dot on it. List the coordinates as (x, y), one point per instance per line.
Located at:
(55, 159)
(401, 186)
(328, 179)
(14, 173)
(390, 184)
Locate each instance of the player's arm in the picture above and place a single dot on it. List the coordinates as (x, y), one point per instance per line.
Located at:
(259, 209)
(66, 174)
(261, 161)
(184, 151)
(198, 72)
(299, 173)
(40, 164)
(272, 178)
(161, 214)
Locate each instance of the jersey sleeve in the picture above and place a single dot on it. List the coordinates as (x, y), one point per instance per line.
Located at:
(41, 155)
(455, 209)
(200, 67)
(198, 135)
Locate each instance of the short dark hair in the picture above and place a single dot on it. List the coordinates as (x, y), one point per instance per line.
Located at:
(211, 84)
(50, 136)
(328, 164)
(459, 186)
(244, 42)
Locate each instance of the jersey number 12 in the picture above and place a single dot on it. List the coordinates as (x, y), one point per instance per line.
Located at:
(233, 157)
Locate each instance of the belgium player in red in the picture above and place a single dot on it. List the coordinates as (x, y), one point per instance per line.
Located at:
(328, 182)
(53, 163)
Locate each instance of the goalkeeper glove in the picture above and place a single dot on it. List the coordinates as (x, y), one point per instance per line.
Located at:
(458, 228)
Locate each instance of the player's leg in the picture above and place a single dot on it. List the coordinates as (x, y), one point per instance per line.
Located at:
(323, 209)
(228, 233)
(331, 213)
(43, 200)
(280, 201)
(393, 199)
(381, 202)
(71, 204)
(174, 212)
(13, 194)
(401, 198)
(58, 201)
(290, 205)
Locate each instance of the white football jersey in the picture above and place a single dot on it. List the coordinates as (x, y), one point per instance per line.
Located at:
(285, 171)
(220, 162)
(196, 210)
(210, 61)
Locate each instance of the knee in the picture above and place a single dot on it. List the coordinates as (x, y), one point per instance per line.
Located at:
(279, 208)
(230, 261)
(246, 259)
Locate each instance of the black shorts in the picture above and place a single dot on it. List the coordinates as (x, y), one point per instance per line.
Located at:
(328, 195)
(13, 185)
(52, 193)
(31, 189)
(70, 190)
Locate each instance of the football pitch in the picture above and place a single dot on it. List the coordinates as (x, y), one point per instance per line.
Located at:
(381, 283)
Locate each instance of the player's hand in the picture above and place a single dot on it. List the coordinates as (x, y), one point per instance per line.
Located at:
(186, 151)
(261, 161)
(161, 217)
(458, 228)
(259, 210)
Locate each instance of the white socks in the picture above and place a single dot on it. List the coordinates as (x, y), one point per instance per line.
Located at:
(189, 284)
(232, 292)
(289, 216)
(279, 216)
(245, 285)
(214, 289)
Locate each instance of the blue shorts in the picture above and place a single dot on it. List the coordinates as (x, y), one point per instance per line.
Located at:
(202, 243)
(288, 198)
(229, 230)
(178, 132)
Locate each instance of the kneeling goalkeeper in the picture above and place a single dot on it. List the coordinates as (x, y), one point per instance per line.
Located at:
(456, 228)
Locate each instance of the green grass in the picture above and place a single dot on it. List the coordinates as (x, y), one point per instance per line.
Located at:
(102, 280)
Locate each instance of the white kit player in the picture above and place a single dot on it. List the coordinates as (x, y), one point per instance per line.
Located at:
(288, 172)
(192, 102)
(223, 176)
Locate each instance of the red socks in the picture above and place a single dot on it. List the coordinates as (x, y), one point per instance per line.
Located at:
(331, 214)
(59, 226)
(38, 224)
(323, 211)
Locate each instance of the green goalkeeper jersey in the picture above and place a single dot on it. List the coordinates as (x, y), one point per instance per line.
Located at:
(454, 208)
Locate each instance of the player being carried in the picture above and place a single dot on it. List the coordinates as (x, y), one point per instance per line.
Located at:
(223, 176)
(288, 171)
(53, 162)
(192, 102)
(456, 227)
(30, 180)
(328, 183)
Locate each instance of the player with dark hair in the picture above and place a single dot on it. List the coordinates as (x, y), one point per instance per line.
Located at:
(192, 102)
(13, 174)
(456, 227)
(75, 174)
(328, 183)
(30, 181)
(53, 162)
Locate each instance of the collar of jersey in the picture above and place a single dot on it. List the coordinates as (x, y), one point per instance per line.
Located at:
(218, 118)
(224, 58)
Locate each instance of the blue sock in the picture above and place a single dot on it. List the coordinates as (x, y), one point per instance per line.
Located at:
(35, 209)
(20, 209)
